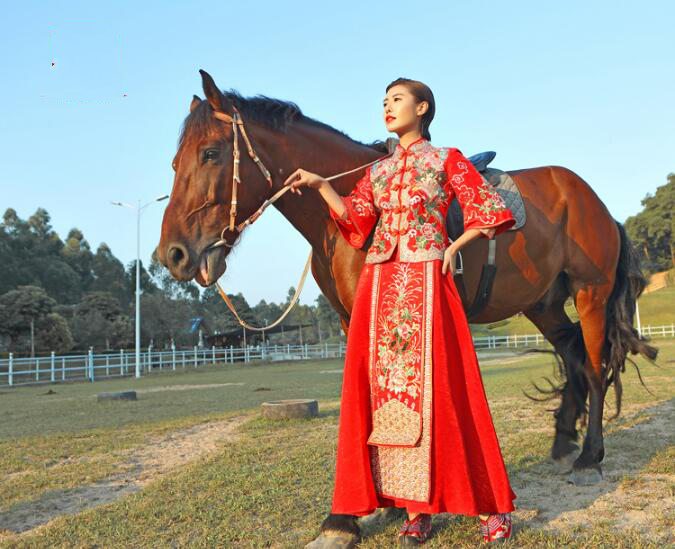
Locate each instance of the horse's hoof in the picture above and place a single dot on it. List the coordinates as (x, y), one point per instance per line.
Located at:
(585, 477)
(334, 540)
(381, 516)
(564, 464)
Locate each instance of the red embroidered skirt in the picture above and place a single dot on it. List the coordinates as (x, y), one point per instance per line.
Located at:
(415, 430)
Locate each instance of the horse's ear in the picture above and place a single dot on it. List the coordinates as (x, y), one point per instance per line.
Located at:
(213, 95)
(195, 101)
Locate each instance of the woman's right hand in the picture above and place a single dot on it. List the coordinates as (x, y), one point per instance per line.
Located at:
(302, 177)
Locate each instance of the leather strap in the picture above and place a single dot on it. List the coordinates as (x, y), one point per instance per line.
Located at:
(485, 283)
(295, 297)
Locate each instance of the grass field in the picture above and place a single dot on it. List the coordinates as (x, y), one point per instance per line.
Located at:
(191, 462)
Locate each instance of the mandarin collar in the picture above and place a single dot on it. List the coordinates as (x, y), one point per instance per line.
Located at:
(416, 146)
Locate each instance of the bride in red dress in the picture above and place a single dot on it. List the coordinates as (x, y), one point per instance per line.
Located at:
(415, 430)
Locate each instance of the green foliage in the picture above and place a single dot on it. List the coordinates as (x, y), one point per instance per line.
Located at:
(652, 229)
(55, 334)
(98, 322)
(29, 310)
(109, 275)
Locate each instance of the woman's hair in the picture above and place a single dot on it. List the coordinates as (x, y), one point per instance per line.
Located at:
(421, 92)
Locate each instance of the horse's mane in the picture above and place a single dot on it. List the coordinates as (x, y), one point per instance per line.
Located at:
(274, 114)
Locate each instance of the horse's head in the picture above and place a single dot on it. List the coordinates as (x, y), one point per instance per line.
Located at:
(198, 213)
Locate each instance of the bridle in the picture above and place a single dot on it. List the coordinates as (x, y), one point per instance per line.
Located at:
(238, 124)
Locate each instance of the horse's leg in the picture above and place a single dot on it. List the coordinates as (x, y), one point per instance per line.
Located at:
(573, 403)
(591, 302)
(549, 316)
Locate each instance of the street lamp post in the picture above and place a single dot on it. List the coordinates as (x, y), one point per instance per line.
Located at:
(139, 209)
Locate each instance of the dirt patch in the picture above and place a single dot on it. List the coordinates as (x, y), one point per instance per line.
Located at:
(626, 498)
(141, 465)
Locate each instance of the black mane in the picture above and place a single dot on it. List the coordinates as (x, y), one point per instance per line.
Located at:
(274, 114)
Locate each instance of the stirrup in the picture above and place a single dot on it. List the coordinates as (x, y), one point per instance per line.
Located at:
(497, 527)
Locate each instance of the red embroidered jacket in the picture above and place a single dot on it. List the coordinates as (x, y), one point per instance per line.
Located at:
(408, 195)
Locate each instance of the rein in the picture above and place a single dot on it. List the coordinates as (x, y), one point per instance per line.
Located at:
(237, 124)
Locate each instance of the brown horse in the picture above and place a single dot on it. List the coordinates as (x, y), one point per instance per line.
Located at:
(570, 246)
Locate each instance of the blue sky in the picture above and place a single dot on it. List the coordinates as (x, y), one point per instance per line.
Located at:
(586, 85)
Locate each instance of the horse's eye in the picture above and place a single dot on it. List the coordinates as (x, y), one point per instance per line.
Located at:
(211, 154)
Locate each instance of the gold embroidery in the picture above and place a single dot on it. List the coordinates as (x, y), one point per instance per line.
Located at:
(417, 255)
(395, 423)
(373, 317)
(396, 372)
(405, 472)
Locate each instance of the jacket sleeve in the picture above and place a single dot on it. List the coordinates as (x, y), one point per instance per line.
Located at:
(482, 206)
(360, 215)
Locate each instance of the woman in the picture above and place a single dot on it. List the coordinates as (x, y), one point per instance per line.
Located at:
(415, 428)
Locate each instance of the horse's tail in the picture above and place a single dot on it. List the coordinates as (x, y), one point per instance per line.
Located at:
(620, 335)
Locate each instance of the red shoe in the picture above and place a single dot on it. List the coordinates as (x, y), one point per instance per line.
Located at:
(415, 531)
(496, 527)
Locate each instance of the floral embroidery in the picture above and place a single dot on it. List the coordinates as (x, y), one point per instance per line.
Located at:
(407, 189)
(360, 213)
(403, 471)
(398, 346)
(482, 206)
(406, 197)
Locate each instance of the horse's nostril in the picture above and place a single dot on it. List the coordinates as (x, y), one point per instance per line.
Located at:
(177, 255)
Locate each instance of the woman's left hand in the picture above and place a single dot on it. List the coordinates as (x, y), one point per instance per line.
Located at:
(449, 260)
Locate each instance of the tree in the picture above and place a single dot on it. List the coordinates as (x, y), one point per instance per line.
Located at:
(77, 254)
(109, 275)
(55, 334)
(652, 229)
(30, 305)
(327, 319)
(166, 319)
(39, 224)
(98, 321)
(60, 281)
(26, 249)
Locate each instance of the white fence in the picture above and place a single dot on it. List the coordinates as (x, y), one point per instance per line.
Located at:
(93, 366)
(658, 331)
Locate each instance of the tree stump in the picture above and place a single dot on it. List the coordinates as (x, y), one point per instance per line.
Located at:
(121, 395)
(292, 408)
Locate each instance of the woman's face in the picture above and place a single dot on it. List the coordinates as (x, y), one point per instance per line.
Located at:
(401, 112)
